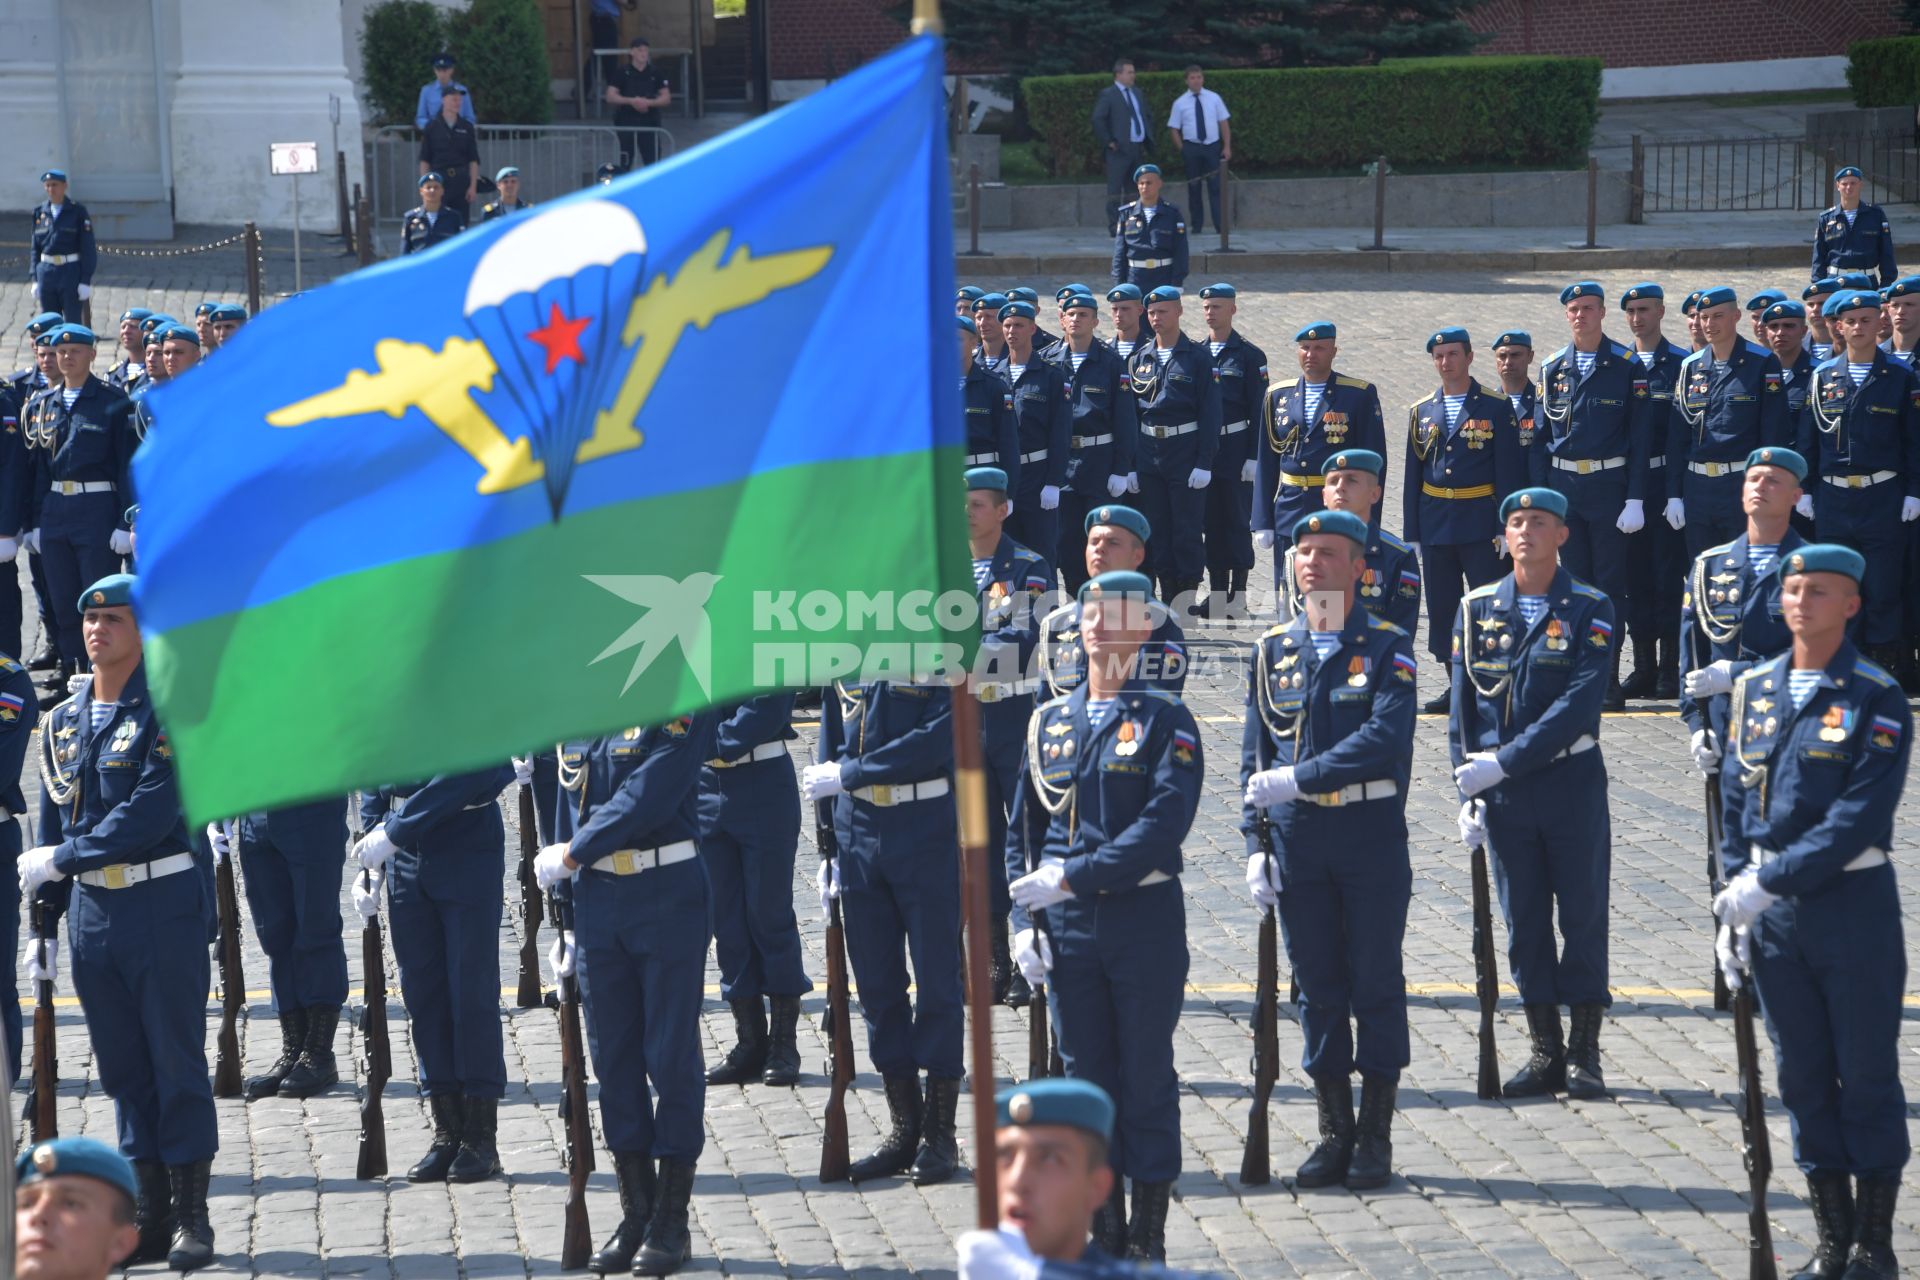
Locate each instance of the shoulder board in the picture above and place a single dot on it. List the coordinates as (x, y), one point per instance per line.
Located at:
(1556, 355)
(1482, 592)
(1271, 632)
(1621, 350)
(1691, 356)
(1588, 590)
(1359, 383)
(1711, 552)
(1868, 669)
(1021, 553)
(1381, 624)
(1394, 540)
(1052, 704)
(1767, 667)
(1755, 348)
(8, 664)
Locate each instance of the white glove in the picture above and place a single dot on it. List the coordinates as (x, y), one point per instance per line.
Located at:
(1198, 479)
(1706, 752)
(1271, 787)
(36, 868)
(1133, 482)
(1742, 901)
(1715, 677)
(366, 894)
(997, 1255)
(820, 782)
(1417, 553)
(1034, 954)
(523, 771)
(77, 680)
(40, 958)
(1909, 509)
(1499, 546)
(1473, 823)
(1676, 513)
(828, 881)
(375, 849)
(1262, 881)
(550, 866)
(217, 837)
(32, 541)
(1248, 470)
(1632, 516)
(1038, 890)
(1116, 485)
(35, 286)
(85, 291)
(1481, 771)
(1263, 539)
(1733, 948)
(1803, 506)
(1049, 497)
(560, 955)
(9, 548)
(1009, 508)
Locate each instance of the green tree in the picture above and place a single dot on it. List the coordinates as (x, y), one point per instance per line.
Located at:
(397, 47)
(502, 48)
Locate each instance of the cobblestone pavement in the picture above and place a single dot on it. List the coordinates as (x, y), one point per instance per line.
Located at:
(1647, 1183)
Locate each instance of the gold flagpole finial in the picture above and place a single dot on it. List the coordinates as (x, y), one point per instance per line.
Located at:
(926, 18)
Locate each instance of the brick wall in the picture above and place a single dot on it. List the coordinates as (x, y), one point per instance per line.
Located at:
(1633, 33)
(815, 39)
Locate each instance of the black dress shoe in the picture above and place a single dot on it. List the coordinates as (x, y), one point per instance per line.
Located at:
(1668, 688)
(1641, 684)
(1438, 705)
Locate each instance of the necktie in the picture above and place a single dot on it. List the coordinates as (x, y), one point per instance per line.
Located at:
(1200, 119)
(1139, 124)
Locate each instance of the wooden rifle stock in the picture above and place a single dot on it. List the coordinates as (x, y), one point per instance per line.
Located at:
(376, 1047)
(1486, 975)
(835, 1157)
(528, 994)
(1255, 1163)
(577, 1239)
(42, 1118)
(227, 1082)
(1753, 1132)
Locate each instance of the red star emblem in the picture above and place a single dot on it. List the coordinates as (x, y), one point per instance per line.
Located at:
(560, 338)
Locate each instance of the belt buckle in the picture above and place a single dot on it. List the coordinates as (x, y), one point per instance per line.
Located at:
(115, 876)
(1583, 466)
(1330, 799)
(989, 693)
(1717, 469)
(1856, 482)
(625, 862)
(717, 763)
(883, 794)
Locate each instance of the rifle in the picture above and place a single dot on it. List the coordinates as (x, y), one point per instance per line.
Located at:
(375, 1045)
(1255, 1170)
(233, 984)
(528, 996)
(1486, 974)
(834, 1155)
(577, 1240)
(42, 1120)
(1758, 1151)
(1042, 1057)
(1722, 998)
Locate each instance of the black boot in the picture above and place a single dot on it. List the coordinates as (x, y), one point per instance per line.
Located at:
(293, 1040)
(1642, 683)
(668, 1244)
(192, 1233)
(1439, 704)
(902, 1139)
(1019, 992)
(44, 658)
(1667, 671)
(1871, 1257)
(783, 1048)
(1584, 1078)
(448, 1118)
(1327, 1165)
(1546, 1069)
(1613, 700)
(1830, 1196)
(1110, 1220)
(1147, 1233)
(1372, 1165)
(748, 1057)
(939, 1155)
(634, 1169)
(479, 1157)
(152, 1213)
(317, 1068)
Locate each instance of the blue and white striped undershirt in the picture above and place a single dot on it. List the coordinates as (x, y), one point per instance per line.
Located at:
(1124, 347)
(101, 712)
(1531, 607)
(1311, 394)
(1760, 557)
(1645, 358)
(1324, 642)
(1078, 357)
(1015, 370)
(1515, 402)
(1822, 351)
(1801, 684)
(1454, 404)
(70, 394)
(1858, 370)
(1214, 346)
(1585, 360)
(982, 570)
(1163, 354)
(1097, 709)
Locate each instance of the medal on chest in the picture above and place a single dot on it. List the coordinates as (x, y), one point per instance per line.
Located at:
(1126, 739)
(1556, 635)
(1837, 724)
(124, 735)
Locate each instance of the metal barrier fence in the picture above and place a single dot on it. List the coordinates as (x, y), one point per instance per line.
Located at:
(1725, 175)
(553, 160)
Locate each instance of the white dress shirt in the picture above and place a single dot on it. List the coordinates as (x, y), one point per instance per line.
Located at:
(1188, 122)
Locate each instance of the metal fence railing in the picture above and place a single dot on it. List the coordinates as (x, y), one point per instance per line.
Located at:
(553, 160)
(1726, 175)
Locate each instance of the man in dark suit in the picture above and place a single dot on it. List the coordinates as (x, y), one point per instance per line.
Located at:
(1120, 123)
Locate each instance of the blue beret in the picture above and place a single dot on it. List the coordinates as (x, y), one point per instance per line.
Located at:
(71, 335)
(1355, 460)
(1785, 309)
(1765, 298)
(135, 313)
(80, 1158)
(1641, 292)
(229, 311)
(967, 325)
(206, 308)
(1551, 501)
(157, 320)
(969, 293)
(443, 60)
(1850, 300)
(114, 589)
(1514, 338)
(1719, 297)
(506, 172)
(1775, 456)
(1079, 1104)
(1078, 300)
(1066, 291)
(1125, 583)
(986, 478)
(1024, 309)
(1849, 172)
(54, 175)
(990, 302)
(1453, 334)
(1318, 330)
(1165, 293)
(1344, 523)
(1822, 557)
(1219, 291)
(1903, 286)
(47, 320)
(1146, 168)
(1124, 293)
(1820, 287)
(1882, 291)
(1120, 518)
(431, 175)
(1692, 303)
(1020, 293)
(183, 332)
(1856, 280)
(1582, 289)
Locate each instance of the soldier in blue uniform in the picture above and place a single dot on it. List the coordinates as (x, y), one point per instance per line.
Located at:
(19, 712)
(749, 833)
(628, 826)
(132, 366)
(1043, 415)
(1852, 236)
(138, 921)
(1463, 458)
(16, 479)
(992, 355)
(1106, 430)
(1512, 357)
(1051, 1142)
(29, 383)
(1326, 757)
(1657, 555)
(1819, 335)
(992, 438)
(1757, 309)
(1241, 369)
(886, 762)
(228, 318)
(1130, 330)
(1820, 739)
(1531, 657)
(1042, 340)
(1103, 920)
(62, 255)
(432, 220)
(1179, 403)
(447, 846)
(1785, 326)
(963, 299)
(1116, 539)
(506, 184)
(1390, 581)
(1150, 245)
(1305, 421)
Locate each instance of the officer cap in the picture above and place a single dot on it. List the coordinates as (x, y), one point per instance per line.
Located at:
(431, 175)
(1784, 309)
(71, 335)
(1856, 280)
(54, 175)
(967, 325)
(1026, 310)
(86, 1158)
(1355, 460)
(1146, 168)
(158, 320)
(442, 60)
(1849, 172)
(1125, 584)
(1905, 286)
(1765, 298)
(1079, 300)
(1317, 330)
(1850, 300)
(1820, 288)
(968, 293)
(1551, 501)
(50, 320)
(1582, 289)
(211, 305)
(1514, 338)
(228, 311)
(986, 478)
(176, 330)
(1079, 1104)
(1124, 293)
(990, 302)
(1717, 297)
(1692, 303)
(1822, 557)
(1774, 456)
(1641, 292)
(1344, 523)
(1020, 293)
(1119, 517)
(136, 314)
(1066, 291)
(506, 172)
(453, 88)
(1219, 291)
(114, 589)
(1165, 293)
(606, 173)
(1453, 334)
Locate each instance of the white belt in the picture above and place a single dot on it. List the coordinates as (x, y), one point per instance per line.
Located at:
(1151, 263)
(1584, 742)
(765, 751)
(1038, 455)
(1359, 791)
(1163, 433)
(59, 259)
(982, 459)
(1234, 428)
(1860, 482)
(886, 795)
(631, 862)
(1659, 461)
(1716, 469)
(1000, 690)
(1152, 877)
(1587, 466)
(122, 874)
(68, 488)
(1085, 442)
(1871, 858)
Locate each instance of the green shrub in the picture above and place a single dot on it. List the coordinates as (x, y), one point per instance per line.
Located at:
(1418, 111)
(397, 46)
(502, 49)
(1884, 73)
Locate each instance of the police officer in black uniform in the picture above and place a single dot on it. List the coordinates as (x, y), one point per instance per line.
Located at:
(450, 148)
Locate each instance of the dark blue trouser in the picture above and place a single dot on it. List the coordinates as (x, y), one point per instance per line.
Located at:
(1070, 544)
(1713, 510)
(642, 943)
(12, 610)
(292, 881)
(449, 957)
(1656, 574)
(1118, 982)
(1868, 520)
(1831, 970)
(1201, 161)
(60, 290)
(1177, 516)
(1344, 904)
(43, 602)
(749, 834)
(1228, 525)
(1443, 566)
(10, 1019)
(1552, 848)
(1003, 752)
(75, 533)
(1597, 552)
(1029, 526)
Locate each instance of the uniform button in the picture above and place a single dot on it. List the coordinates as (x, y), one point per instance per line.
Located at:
(1449, 470)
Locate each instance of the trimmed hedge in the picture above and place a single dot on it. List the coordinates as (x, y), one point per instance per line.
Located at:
(396, 46)
(1424, 111)
(1884, 73)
